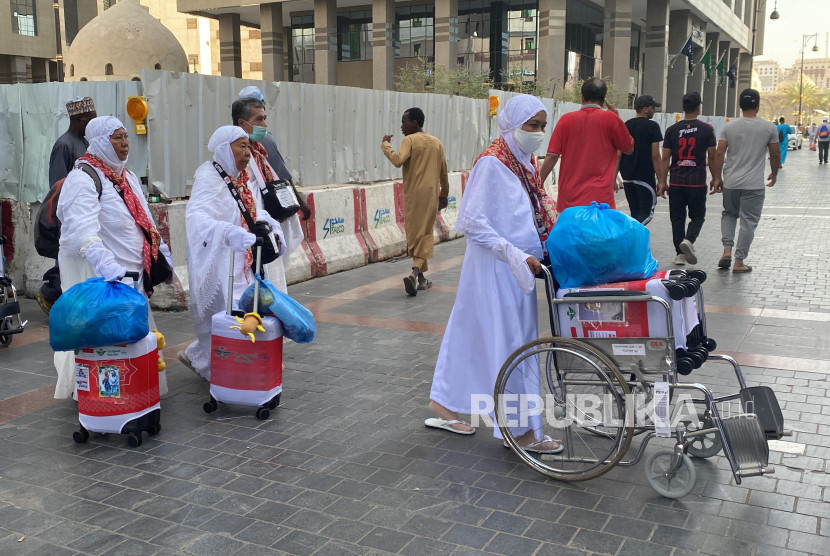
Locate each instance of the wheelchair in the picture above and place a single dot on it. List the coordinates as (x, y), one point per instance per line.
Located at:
(610, 372)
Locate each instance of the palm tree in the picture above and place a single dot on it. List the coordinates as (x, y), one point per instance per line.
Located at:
(810, 99)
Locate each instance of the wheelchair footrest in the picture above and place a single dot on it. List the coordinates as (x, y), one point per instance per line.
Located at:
(761, 401)
(748, 444)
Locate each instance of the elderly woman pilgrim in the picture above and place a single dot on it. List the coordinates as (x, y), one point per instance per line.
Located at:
(215, 227)
(505, 215)
(107, 236)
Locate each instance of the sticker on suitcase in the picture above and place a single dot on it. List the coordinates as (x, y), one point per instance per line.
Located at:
(82, 377)
(109, 381)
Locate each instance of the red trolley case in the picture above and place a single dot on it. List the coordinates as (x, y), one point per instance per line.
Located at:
(628, 320)
(118, 388)
(241, 371)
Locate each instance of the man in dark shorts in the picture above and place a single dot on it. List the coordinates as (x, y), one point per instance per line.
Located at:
(638, 168)
(689, 145)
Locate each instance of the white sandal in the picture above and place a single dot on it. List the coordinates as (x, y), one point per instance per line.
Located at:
(437, 423)
(532, 446)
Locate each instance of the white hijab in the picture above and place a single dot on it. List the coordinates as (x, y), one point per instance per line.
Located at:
(98, 132)
(220, 146)
(513, 116)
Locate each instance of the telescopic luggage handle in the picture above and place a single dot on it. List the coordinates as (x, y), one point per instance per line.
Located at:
(135, 276)
(258, 270)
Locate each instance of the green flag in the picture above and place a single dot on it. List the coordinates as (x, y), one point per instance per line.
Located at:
(721, 68)
(706, 62)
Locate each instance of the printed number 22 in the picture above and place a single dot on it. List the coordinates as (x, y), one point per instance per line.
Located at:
(687, 143)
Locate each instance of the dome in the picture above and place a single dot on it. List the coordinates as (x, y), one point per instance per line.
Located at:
(119, 43)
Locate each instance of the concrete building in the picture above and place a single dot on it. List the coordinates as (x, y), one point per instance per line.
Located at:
(554, 42)
(817, 69)
(770, 74)
(31, 52)
(29, 37)
(120, 42)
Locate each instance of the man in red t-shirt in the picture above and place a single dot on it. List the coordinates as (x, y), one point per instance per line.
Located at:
(589, 141)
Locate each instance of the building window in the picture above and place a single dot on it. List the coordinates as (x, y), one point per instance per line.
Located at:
(354, 35)
(302, 48)
(157, 66)
(192, 23)
(415, 31)
(108, 4)
(521, 42)
(24, 18)
(256, 66)
(72, 70)
(193, 62)
(254, 34)
(108, 69)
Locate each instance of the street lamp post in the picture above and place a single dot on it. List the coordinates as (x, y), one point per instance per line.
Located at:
(58, 42)
(804, 40)
(759, 5)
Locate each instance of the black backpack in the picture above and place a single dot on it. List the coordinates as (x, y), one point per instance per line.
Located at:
(781, 135)
(47, 224)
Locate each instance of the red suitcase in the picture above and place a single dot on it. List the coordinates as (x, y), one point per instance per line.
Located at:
(628, 320)
(118, 390)
(242, 371)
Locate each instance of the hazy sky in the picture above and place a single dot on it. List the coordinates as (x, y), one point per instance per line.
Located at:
(783, 37)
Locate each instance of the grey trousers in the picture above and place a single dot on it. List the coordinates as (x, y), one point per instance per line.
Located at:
(745, 204)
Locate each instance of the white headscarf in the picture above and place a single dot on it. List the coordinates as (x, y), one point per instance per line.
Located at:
(98, 132)
(220, 146)
(513, 116)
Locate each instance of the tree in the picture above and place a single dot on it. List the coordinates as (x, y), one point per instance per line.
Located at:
(420, 75)
(810, 97)
(614, 95)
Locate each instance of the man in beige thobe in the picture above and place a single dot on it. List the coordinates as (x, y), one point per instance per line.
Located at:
(424, 169)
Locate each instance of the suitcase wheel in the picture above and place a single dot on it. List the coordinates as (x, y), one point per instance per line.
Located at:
(273, 403)
(262, 413)
(210, 406)
(153, 429)
(134, 440)
(80, 436)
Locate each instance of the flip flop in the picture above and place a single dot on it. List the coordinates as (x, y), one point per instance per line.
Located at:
(410, 286)
(425, 286)
(437, 423)
(725, 262)
(532, 446)
(747, 269)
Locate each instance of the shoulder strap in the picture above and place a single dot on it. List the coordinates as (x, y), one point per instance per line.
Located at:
(235, 194)
(94, 175)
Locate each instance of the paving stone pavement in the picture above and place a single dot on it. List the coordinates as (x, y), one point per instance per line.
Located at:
(345, 465)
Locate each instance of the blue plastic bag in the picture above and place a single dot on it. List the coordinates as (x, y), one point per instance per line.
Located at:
(297, 321)
(597, 245)
(97, 313)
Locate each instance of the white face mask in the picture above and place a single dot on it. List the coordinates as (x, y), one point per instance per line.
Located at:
(529, 141)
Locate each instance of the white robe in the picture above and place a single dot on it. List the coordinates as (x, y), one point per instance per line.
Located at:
(85, 220)
(210, 211)
(492, 316)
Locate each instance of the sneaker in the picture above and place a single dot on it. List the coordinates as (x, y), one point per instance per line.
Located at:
(44, 304)
(688, 250)
(680, 259)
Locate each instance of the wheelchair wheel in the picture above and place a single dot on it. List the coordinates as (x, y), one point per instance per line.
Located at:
(668, 482)
(572, 392)
(705, 446)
